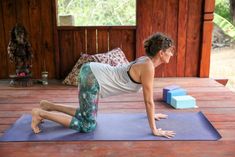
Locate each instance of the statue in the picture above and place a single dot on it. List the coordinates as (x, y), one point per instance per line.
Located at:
(20, 53)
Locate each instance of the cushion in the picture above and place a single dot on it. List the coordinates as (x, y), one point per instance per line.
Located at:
(114, 57)
(72, 78)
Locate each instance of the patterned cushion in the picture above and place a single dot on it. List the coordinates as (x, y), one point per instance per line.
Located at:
(114, 57)
(72, 78)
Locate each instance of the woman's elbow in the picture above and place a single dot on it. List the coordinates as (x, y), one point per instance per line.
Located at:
(149, 104)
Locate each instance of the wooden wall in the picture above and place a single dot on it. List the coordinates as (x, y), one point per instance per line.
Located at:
(73, 41)
(188, 22)
(180, 19)
(37, 16)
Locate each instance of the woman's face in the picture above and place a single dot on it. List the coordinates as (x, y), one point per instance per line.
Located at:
(166, 55)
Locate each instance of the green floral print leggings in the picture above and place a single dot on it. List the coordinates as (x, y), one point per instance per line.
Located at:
(88, 92)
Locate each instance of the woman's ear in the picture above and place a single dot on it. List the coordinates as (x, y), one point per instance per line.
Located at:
(162, 56)
(161, 53)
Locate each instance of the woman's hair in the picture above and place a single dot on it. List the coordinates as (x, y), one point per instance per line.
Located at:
(157, 42)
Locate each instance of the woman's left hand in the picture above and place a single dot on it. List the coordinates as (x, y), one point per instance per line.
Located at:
(159, 116)
(163, 133)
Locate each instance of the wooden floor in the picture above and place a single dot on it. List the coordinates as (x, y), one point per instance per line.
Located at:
(216, 102)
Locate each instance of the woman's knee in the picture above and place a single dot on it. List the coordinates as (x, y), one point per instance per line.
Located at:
(88, 127)
(82, 126)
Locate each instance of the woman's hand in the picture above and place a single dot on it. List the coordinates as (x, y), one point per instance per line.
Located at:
(163, 133)
(159, 116)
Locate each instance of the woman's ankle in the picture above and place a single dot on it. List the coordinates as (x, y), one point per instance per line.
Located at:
(46, 105)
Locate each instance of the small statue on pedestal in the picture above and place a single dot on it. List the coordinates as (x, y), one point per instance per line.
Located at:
(20, 53)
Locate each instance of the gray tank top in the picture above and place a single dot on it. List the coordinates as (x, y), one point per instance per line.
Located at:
(114, 80)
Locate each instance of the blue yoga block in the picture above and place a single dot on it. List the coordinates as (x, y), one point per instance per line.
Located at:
(175, 92)
(166, 89)
(185, 101)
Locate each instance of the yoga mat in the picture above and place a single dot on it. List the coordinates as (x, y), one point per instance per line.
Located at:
(118, 126)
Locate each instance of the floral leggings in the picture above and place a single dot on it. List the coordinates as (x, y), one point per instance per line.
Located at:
(85, 116)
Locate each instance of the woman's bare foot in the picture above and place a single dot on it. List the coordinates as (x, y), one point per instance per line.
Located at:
(46, 105)
(36, 120)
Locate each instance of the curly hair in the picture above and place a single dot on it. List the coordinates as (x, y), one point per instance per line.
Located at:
(157, 42)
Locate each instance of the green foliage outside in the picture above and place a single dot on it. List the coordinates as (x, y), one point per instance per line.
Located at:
(227, 27)
(99, 12)
(222, 8)
(223, 18)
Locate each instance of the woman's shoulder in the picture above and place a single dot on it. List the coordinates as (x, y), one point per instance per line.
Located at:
(144, 64)
(142, 58)
(144, 61)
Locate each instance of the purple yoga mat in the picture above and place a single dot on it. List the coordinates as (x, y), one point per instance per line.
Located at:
(118, 126)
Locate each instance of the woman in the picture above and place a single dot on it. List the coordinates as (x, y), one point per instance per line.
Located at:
(102, 80)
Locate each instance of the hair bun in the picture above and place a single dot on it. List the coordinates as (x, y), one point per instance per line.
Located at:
(157, 42)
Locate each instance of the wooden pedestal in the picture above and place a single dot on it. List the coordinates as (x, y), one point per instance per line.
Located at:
(20, 81)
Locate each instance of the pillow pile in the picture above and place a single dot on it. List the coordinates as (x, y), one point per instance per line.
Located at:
(114, 57)
(72, 78)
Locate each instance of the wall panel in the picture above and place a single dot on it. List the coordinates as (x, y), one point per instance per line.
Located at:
(56, 49)
(91, 40)
(183, 21)
(37, 17)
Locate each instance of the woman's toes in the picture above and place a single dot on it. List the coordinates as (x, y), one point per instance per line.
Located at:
(36, 130)
(36, 120)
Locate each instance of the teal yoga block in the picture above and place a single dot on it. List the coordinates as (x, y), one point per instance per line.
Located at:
(185, 101)
(167, 89)
(175, 92)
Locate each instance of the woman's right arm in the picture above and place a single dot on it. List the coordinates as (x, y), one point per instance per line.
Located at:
(147, 78)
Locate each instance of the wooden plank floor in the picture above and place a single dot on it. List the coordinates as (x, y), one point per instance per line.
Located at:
(216, 101)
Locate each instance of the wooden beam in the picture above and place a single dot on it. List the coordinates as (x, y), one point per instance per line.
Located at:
(206, 38)
(144, 24)
(56, 40)
(193, 38)
(182, 34)
(9, 21)
(3, 47)
(221, 81)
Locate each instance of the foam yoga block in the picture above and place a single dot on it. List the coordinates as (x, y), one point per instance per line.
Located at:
(166, 89)
(175, 92)
(185, 101)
